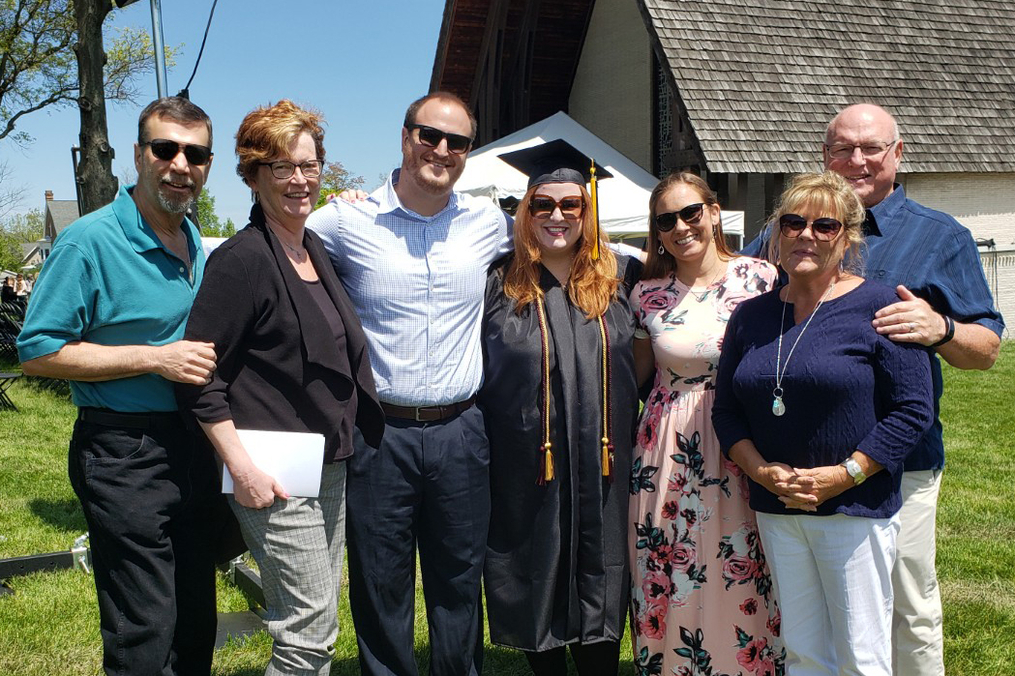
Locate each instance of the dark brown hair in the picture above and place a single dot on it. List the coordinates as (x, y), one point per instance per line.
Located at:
(175, 108)
(661, 265)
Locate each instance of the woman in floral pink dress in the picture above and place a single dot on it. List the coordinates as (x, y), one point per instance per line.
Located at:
(701, 595)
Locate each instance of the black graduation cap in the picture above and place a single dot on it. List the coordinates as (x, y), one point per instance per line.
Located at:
(554, 162)
(560, 162)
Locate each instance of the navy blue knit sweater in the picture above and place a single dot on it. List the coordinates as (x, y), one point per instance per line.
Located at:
(846, 388)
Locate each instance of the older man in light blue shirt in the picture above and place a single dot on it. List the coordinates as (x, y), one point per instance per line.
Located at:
(413, 258)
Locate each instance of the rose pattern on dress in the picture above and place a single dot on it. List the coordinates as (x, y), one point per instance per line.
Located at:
(685, 504)
(744, 561)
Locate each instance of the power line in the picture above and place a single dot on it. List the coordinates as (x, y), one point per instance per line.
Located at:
(185, 92)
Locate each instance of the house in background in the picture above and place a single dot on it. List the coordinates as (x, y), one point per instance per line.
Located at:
(59, 214)
(740, 91)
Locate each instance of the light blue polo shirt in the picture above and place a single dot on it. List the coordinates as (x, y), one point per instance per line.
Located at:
(110, 281)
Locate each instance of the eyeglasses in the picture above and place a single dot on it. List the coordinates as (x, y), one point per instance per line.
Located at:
(824, 229)
(284, 169)
(432, 138)
(167, 150)
(844, 151)
(543, 206)
(690, 214)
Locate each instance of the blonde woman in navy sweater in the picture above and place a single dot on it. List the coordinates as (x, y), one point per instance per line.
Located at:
(820, 411)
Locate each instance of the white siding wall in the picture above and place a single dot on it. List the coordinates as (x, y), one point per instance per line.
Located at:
(612, 90)
(984, 203)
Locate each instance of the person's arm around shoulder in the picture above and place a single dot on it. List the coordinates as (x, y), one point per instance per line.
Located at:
(913, 320)
(963, 325)
(50, 343)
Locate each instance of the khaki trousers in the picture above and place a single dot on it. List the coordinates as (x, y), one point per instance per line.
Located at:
(917, 636)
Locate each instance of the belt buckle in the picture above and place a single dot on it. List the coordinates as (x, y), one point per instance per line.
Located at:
(418, 410)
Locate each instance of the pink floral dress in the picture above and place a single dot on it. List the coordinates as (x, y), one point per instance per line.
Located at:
(701, 596)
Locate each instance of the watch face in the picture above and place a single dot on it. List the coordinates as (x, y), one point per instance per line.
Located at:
(853, 469)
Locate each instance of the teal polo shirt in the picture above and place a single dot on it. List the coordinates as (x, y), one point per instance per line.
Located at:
(110, 281)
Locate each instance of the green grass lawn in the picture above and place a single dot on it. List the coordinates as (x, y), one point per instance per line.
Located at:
(50, 625)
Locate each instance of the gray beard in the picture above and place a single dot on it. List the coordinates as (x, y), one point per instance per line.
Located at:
(179, 206)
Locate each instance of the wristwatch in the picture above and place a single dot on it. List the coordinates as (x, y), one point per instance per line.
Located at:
(853, 469)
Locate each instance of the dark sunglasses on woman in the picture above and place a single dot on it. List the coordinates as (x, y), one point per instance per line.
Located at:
(432, 138)
(690, 214)
(166, 150)
(824, 229)
(571, 207)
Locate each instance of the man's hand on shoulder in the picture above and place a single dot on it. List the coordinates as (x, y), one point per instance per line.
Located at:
(355, 195)
(185, 361)
(911, 320)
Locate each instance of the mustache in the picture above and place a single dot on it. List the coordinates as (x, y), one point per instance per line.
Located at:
(183, 180)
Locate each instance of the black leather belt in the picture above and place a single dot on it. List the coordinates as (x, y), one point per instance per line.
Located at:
(427, 413)
(139, 421)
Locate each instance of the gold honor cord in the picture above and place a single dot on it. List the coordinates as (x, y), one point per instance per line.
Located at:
(607, 458)
(594, 194)
(546, 469)
(545, 452)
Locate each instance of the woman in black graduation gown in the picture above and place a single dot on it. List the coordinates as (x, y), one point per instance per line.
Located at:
(558, 339)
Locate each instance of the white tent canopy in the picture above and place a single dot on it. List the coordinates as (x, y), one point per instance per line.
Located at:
(623, 199)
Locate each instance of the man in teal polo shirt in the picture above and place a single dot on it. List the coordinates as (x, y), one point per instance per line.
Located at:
(108, 314)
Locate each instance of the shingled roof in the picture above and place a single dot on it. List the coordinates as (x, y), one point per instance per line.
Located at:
(761, 78)
(60, 214)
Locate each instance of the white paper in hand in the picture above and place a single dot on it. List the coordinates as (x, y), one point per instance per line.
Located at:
(293, 459)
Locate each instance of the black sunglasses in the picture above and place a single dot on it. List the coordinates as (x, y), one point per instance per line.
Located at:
(690, 214)
(432, 138)
(166, 150)
(824, 229)
(571, 207)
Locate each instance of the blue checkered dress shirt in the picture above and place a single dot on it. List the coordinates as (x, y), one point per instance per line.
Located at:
(417, 283)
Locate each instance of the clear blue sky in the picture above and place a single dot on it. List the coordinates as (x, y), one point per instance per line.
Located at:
(359, 63)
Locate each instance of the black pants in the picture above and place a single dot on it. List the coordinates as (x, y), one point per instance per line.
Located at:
(591, 659)
(427, 486)
(147, 497)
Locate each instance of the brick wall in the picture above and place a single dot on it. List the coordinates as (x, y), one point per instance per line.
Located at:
(984, 203)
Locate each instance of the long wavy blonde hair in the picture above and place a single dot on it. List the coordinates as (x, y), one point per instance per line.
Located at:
(591, 285)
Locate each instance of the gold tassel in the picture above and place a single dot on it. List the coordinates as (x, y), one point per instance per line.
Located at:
(606, 456)
(594, 195)
(548, 469)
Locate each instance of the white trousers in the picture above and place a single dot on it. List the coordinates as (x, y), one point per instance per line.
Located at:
(832, 577)
(917, 634)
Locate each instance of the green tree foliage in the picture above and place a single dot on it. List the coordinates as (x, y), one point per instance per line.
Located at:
(38, 68)
(334, 179)
(15, 231)
(211, 225)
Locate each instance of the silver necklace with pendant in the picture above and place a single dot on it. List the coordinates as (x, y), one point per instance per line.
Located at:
(778, 407)
(299, 254)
